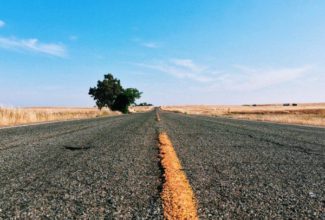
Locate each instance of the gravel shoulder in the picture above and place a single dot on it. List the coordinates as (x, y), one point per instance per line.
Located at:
(241, 169)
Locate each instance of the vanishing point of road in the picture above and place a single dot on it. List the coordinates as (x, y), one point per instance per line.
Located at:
(110, 168)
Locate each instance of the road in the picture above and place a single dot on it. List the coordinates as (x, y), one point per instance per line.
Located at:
(109, 168)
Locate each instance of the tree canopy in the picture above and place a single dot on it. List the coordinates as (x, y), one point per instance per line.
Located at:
(110, 93)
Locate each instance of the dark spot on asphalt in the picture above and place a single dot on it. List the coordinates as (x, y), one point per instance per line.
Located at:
(238, 146)
(72, 148)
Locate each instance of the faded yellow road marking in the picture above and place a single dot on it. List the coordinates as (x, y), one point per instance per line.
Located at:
(157, 115)
(178, 198)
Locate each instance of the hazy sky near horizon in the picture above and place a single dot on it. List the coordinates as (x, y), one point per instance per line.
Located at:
(175, 52)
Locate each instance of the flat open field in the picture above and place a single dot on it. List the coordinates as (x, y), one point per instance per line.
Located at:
(109, 168)
(306, 114)
(17, 116)
(137, 109)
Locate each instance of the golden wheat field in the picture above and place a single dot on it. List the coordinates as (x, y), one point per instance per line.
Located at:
(305, 114)
(17, 116)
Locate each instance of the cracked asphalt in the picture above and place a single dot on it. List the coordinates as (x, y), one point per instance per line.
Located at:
(108, 168)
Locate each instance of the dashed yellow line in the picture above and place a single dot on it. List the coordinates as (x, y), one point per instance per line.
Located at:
(178, 198)
(157, 115)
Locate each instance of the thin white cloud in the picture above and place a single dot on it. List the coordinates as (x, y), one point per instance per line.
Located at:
(73, 37)
(188, 64)
(240, 78)
(180, 68)
(2, 23)
(250, 79)
(152, 45)
(147, 44)
(33, 45)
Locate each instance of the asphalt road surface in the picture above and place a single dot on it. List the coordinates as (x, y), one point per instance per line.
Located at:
(109, 168)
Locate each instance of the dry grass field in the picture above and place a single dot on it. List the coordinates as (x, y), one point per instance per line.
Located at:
(138, 109)
(17, 116)
(306, 114)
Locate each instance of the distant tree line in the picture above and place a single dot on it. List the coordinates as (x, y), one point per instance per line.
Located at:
(110, 93)
(144, 104)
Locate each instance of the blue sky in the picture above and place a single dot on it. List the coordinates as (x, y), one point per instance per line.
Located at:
(176, 52)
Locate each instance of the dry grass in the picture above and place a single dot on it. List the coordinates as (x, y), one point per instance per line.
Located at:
(136, 109)
(17, 116)
(306, 114)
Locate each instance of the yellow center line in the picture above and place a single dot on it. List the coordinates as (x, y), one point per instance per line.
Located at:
(178, 198)
(157, 115)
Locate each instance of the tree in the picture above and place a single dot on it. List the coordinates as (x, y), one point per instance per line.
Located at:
(121, 103)
(144, 104)
(132, 94)
(110, 93)
(106, 91)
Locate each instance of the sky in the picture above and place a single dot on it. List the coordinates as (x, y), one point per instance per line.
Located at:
(175, 52)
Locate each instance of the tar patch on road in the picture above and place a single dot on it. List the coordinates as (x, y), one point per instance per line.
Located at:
(73, 148)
